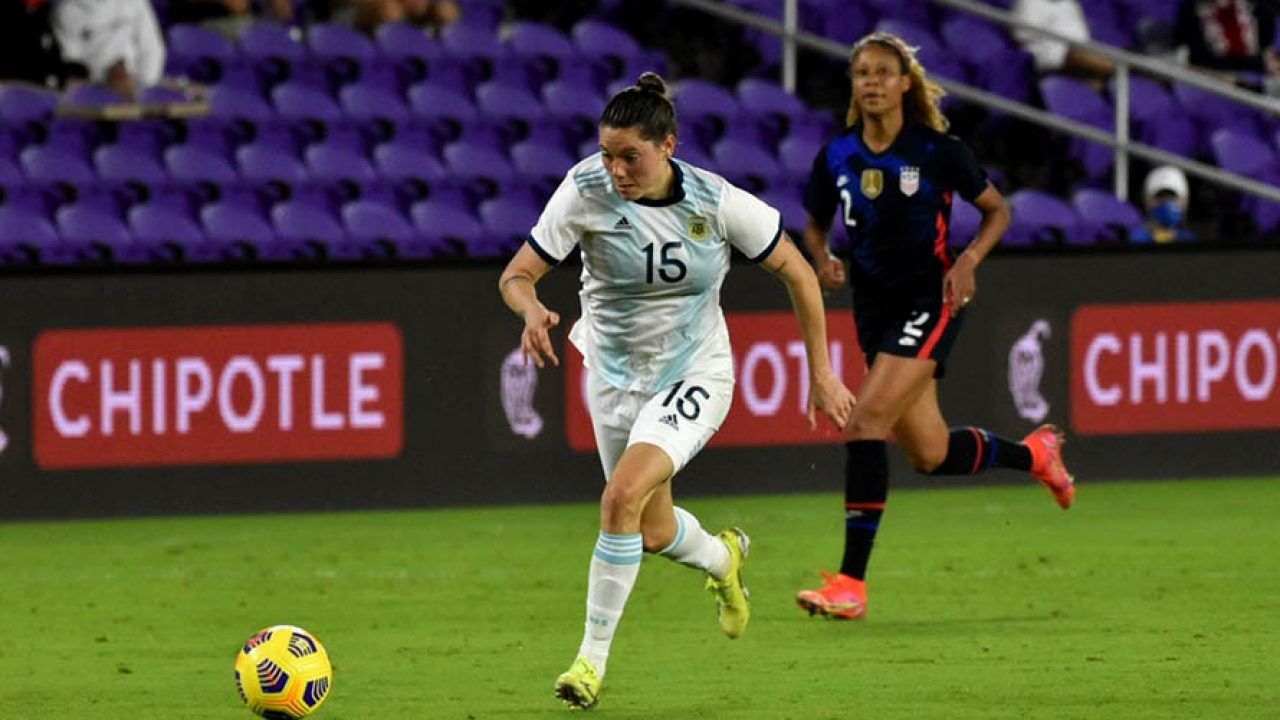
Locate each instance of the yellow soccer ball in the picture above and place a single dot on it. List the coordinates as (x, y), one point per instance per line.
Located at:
(283, 673)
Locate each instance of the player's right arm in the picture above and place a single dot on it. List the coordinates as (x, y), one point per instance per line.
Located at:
(518, 286)
(549, 243)
(820, 201)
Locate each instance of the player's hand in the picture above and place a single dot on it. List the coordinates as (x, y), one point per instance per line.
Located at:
(828, 394)
(535, 341)
(830, 271)
(960, 284)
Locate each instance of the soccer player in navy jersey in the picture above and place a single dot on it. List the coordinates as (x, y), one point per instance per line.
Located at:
(892, 174)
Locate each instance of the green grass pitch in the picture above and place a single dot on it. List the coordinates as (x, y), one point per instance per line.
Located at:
(1148, 600)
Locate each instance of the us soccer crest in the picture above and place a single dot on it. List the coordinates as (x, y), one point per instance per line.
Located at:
(872, 183)
(909, 180)
(698, 229)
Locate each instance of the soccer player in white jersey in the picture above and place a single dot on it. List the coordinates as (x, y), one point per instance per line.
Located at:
(655, 235)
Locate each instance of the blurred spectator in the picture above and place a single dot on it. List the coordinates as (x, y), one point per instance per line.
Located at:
(1066, 18)
(229, 16)
(1165, 196)
(1232, 37)
(29, 50)
(367, 15)
(118, 41)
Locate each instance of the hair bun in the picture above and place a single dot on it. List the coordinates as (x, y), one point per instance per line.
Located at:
(652, 82)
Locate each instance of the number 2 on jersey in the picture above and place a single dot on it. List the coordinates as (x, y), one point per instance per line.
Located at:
(666, 261)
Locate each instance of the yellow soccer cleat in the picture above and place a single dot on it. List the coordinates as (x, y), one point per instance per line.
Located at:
(579, 686)
(733, 602)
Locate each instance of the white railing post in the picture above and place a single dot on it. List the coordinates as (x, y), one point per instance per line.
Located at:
(790, 21)
(1122, 130)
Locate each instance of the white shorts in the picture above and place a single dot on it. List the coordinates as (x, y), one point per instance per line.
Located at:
(679, 419)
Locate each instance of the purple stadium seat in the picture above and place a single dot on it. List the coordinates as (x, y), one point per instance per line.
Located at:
(690, 152)
(233, 102)
(20, 104)
(569, 100)
(172, 233)
(261, 162)
(90, 96)
(1212, 111)
(993, 60)
(43, 163)
(401, 42)
(468, 160)
(539, 160)
(400, 161)
(1104, 216)
(765, 97)
(1252, 157)
(508, 221)
(309, 230)
(796, 156)
(1109, 23)
(275, 49)
(125, 164)
(931, 51)
(9, 172)
(341, 49)
(509, 102)
(1042, 219)
(304, 102)
(442, 103)
(833, 20)
(1149, 102)
(910, 12)
(103, 234)
(448, 226)
(786, 199)
(706, 109)
(749, 166)
(198, 164)
(198, 52)
(1075, 99)
(366, 102)
(965, 219)
(26, 232)
(614, 48)
(235, 224)
(326, 162)
(542, 48)
(382, 230)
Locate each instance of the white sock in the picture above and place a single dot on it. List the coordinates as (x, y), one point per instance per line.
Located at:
(696, 547)
(614, 567)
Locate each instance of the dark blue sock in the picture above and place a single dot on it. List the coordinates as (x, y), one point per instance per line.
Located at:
(866, 478)
(971, 450)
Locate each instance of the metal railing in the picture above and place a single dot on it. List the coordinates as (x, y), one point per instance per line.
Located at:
(793, 39)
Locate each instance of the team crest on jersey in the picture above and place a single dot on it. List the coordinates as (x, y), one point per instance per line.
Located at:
(698, 229)
(909, 180)
(872, 183)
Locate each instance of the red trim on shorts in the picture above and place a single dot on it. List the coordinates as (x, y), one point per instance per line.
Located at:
(940, 240)
(977, 457)
(864, 506)
(936, 335)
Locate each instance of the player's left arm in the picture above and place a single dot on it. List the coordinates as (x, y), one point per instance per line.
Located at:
(960, 284)
(826, 392)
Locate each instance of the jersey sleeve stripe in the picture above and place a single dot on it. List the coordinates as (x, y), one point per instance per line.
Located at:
(772, 244)
(542, 253)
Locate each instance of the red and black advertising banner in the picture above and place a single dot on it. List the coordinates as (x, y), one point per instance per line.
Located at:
(121, 397)
(127, 393)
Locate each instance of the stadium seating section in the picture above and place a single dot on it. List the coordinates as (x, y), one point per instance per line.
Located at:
(326, 143)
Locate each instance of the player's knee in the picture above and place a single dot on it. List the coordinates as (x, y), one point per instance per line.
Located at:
(656, 539)
(621, 503)
(926, 460)
(868, 423)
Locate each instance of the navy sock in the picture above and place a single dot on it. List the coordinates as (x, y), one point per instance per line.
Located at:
(971, 450)
(866, 474)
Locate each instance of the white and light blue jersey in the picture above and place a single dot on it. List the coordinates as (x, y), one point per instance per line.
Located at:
(652, 270)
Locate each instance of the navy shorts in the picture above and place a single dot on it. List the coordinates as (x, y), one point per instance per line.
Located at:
(915, 327)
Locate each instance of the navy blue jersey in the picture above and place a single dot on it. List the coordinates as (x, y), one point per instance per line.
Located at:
(896, 204)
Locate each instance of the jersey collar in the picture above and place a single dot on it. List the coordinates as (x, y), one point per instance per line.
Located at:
(677, 193)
